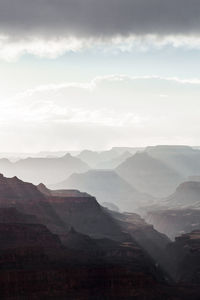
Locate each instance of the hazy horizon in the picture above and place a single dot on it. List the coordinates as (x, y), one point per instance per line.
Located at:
(76, 151)
(90, 74)
(121, 79)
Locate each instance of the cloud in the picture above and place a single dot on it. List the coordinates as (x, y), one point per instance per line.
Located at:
(98, 101)
(50, 28)
(94, 83)
(93, 18)
(106, 111)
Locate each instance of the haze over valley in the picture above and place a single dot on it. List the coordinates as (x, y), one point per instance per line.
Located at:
(99, 150)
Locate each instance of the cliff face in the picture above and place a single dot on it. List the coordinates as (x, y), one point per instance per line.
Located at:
(12, 215)
(14, 235)
(107, 186)
(46, 170)
(26, 198)
(174, 222)
(185, 196)
(149, 175)
(34, 265)
(86, 216)
(85, 283)
(111, 263)
(185, 257)
(28, 270)
(178, 213)
(184, 159)
(58, 210)
(149, 239)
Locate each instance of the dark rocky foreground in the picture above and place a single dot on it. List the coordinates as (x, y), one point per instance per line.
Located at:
(36, 265)
(64, 245)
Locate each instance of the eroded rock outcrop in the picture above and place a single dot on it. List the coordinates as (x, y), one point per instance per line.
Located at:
(185, 258)
(174, 222)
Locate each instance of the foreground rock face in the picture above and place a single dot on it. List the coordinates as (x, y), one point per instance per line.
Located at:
(35, 265)
(152, 241)
(110, 258)
(58, 210)
(14, 235)
(12, 215)
(27, 199)
(86, 216)
(174, 222)
(185, 258)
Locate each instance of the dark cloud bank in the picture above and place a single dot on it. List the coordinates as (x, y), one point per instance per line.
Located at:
(98, 18)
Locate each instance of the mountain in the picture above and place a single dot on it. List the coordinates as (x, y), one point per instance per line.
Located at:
(132, 150)
(183, 159)
(27, 199)
(89, 157)
(178, 213)
(174, 222)
(92, 158)
(105, 159)
(86, 252)
(21, 235)
(187, 195)
(194, 178)
(185, 258)
(12, 215)
(107, 186)
(86, 216)
(46, 170)
(58, 210)
(110, 206)
(73, 264)
(113, 163)
(36, 265)
(149, 175)
(149, 239)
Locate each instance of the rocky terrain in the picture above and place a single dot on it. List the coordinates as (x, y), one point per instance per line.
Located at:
(174, 222)
(185, 258)
(183, 159)
(46, 170)
(35, 262)
(178, 213)
(149, 175)
(152, 241)
(113, 163)
(61, 243)
(187, 195)
(107, 186)
(94, 158)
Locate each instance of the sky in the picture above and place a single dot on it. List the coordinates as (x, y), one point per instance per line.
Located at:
(78, 74)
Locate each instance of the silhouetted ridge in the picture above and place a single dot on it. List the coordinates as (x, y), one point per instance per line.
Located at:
(46, 170)
(107, 186)
(149, 175)
(27, 199)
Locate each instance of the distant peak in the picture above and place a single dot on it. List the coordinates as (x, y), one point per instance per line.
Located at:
(42, 185)
(169, 148)
(188, 185)
(67, 155)
(16, 179)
